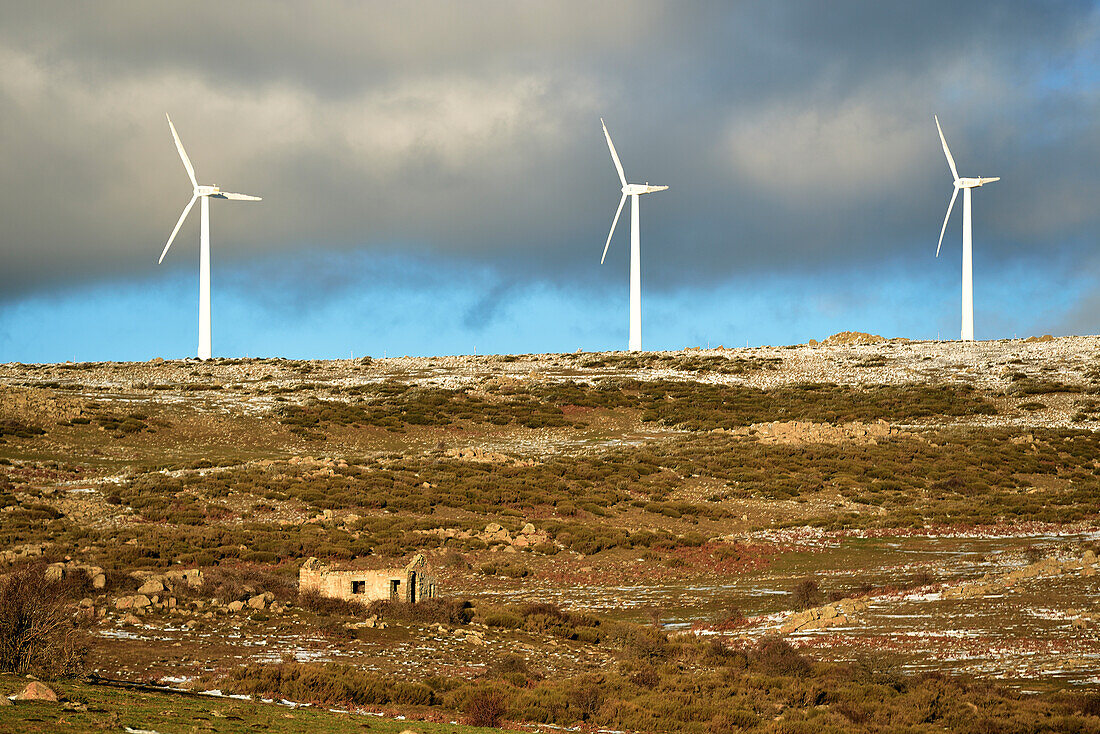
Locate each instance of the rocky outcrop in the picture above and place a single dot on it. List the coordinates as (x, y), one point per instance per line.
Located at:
(844, 338)
(60, 570)
(471, 453)
(22, 552)
(837, 614)
(528, 536)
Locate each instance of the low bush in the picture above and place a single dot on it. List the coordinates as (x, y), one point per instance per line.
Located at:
(426, 611)
(486, 706)
(313, 601)
(37, 630)
(806, 594)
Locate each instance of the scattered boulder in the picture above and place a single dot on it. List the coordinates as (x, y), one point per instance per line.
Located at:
(260, 601)
(235, 606)
(152, 586)
(135, 601)
(37, 691)
(191, 576)
(495, 533)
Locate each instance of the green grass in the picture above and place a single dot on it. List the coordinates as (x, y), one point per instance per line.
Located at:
(112, 709)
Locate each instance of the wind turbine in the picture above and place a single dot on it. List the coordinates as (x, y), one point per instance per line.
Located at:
(966, 184)
(205, 193)
(633, 191)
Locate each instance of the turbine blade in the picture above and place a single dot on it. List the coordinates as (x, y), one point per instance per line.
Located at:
(946, 150)
(238, 197)
(614, 155)
(989, 180)
(614, 222)
(944, 227)
(186, 211)
(183, 153)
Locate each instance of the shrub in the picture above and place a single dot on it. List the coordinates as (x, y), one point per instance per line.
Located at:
(413, 694)
(313, 601)
(730, 618)
(646, 677)
(513, 663)
(775, 656)
(503, 620)
(806, 594)
(428, 611)
(486, 707)
(37, 632)
(231, 583)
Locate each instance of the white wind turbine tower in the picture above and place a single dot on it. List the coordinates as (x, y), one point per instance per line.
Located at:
(633, 191)
(966, 184)
(205, 193)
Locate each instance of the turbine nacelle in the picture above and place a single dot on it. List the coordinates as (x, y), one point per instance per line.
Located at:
(973, 183)
(639, 189)
(207, 191)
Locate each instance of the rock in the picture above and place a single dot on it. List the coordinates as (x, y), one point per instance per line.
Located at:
(36, 691)
(136, 601)
(55, 571)
(130, 619)
(1089, 557)
(99, 581)
(235, 606)
(258, 602)
(150, 587)
(528, 529)
(191, 576)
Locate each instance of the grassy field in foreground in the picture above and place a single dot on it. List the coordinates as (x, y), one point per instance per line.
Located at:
(113, 709)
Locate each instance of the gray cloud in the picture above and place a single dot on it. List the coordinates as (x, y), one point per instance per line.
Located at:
(792, 133)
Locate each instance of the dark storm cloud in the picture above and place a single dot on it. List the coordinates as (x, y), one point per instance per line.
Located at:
(791, 133)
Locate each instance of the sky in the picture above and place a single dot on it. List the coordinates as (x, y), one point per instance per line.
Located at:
(435, 179)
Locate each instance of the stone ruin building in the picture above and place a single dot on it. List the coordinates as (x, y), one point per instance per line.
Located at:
(415, 582)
